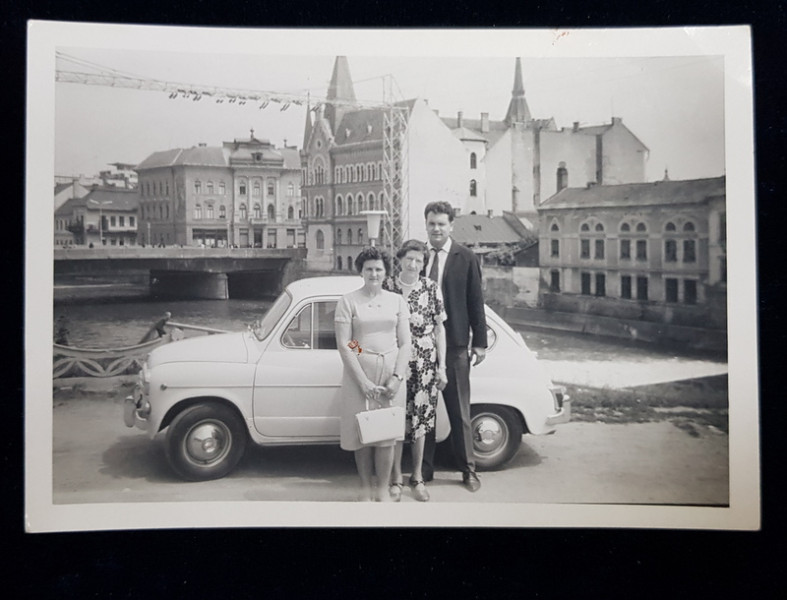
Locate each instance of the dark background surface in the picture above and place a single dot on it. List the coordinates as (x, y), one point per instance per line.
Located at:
(325, 563)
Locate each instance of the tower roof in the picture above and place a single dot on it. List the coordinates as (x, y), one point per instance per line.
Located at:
(340, 88)
(518, 111)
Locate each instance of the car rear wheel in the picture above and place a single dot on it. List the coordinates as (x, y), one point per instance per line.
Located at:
(205, 441)
(497, 435)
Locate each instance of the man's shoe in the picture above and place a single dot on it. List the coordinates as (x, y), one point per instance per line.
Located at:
(471, 481)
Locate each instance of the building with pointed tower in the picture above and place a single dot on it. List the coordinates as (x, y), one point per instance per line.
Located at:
(343, 167)
(517, 163)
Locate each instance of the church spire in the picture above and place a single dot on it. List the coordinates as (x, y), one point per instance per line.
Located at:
(307, 129)
(340, 88)
(518, 112)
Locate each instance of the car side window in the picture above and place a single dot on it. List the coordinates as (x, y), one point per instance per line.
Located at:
(325, 335)
(299, 332)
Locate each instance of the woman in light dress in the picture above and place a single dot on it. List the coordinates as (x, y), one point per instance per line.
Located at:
(373, 338)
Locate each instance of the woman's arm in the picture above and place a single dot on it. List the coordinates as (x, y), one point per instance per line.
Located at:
(403, 354)
(439, 334)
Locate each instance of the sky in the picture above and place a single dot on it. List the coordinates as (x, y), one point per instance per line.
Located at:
(674, 105)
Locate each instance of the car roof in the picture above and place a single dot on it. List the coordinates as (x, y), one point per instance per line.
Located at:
(319, 286)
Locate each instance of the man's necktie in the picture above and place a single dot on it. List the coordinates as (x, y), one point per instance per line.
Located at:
(433, 272)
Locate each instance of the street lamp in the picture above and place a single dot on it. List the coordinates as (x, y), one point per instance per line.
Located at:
(373, 223)
(100, 205)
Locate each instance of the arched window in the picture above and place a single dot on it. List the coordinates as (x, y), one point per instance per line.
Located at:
(473, 187)
(641, 228)
(554, 227)
(209, 209)
(360, 235)
(349, 263)
(210, 187)
(688, 227)
(256, 190)
(290, 213)
(222, 212)
(290, 190)
(339, 236)
(670, 227)
(599, 227)
(271, 212)
(197, 187)
(349, 236)
(625, 227)
(320, 239)
(197, 212)
(339, 263)
(339, 206)
(257, 210)
(222, 189)
(472, 160)
(350, 205)
(242, 212)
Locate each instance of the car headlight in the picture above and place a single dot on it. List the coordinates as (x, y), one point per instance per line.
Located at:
(559, 396)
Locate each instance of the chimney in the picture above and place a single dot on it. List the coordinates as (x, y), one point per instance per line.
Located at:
(489, 213)
(617, 120)
(576, 126)
(202, 145)
(459, 119)
(485, 122)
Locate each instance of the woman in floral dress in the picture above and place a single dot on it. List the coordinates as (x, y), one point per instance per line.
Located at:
(427, 374)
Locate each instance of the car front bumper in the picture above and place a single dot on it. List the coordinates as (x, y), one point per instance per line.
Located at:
(562, 416)
(135, 410)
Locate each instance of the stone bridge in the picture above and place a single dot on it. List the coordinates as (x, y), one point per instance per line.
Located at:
(207, 273)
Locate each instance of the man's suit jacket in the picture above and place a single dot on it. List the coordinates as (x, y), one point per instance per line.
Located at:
(464, 298)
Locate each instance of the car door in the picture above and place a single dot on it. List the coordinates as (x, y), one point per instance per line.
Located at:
(298, 378)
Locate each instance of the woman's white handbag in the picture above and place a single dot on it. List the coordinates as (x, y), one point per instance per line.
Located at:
(381, 424)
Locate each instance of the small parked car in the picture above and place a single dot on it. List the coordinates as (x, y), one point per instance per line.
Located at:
(278, 383)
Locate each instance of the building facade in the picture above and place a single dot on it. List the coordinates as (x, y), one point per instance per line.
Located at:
(245, 193)
(649, 251)
(103, 217)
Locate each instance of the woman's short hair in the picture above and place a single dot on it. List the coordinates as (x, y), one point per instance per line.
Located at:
(413, 245)
(373, 253)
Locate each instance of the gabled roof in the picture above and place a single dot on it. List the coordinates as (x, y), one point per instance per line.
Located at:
(292, 158)
(360, 126)
(690, 191)
(108, 198)
(59, 187)
(481, 229)
(465, 134)
(194, 156)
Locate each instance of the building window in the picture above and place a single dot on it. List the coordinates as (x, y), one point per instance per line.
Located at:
(320, 239)
(584, 248)
(562, 176)
(349, 263)
(271, 212)
(257, 210)
(242, 189)
(256, 190)
(222, 212)
(689, 251)
(671, 290)
(349, 236)
(586, 284)
(555, 248)
(472, 160)
(554, 227)
(290, 213)
(670, 251)
(554, 282)
(599, 254)
(242, 212)
(132, 222)
(642, 288)
(339, 206)
(338, 236)
(197, 212)
(339, 263)
(290, 190)
(209, 185)
(167, 184)
(272, 188)
(690, 291)
(625, 249)
(350, 205)
(670, 226)
(473, 187)
(642, 250)
(273, 241)
(360, 235)
(209, 211)
(625, 287)
(197, 187)
(112, 221)
(291, 238)
(222, 189)
(601, 284)
(122, 221)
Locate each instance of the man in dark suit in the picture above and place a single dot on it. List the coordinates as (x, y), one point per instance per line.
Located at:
(458, 273)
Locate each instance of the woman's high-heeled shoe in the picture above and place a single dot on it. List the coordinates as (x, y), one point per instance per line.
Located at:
(419, 491)
(395, 492)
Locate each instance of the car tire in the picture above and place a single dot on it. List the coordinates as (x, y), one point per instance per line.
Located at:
(205, 442)
(497, 435)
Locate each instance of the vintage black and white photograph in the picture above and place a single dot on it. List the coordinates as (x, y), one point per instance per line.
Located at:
(424, 278)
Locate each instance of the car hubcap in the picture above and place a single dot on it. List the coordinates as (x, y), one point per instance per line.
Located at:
(207, 442)
(489, 435)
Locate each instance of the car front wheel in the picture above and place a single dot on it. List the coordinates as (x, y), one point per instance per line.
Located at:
(205, 441)
(497, 434)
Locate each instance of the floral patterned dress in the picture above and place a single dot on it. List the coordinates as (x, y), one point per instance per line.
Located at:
(426, 310)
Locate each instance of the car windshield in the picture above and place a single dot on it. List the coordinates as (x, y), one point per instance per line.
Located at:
(265, 325)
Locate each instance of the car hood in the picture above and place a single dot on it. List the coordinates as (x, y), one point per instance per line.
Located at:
(223, 347)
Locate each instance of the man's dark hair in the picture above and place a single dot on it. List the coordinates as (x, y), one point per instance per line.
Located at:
(373, 253)
(440, 207)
